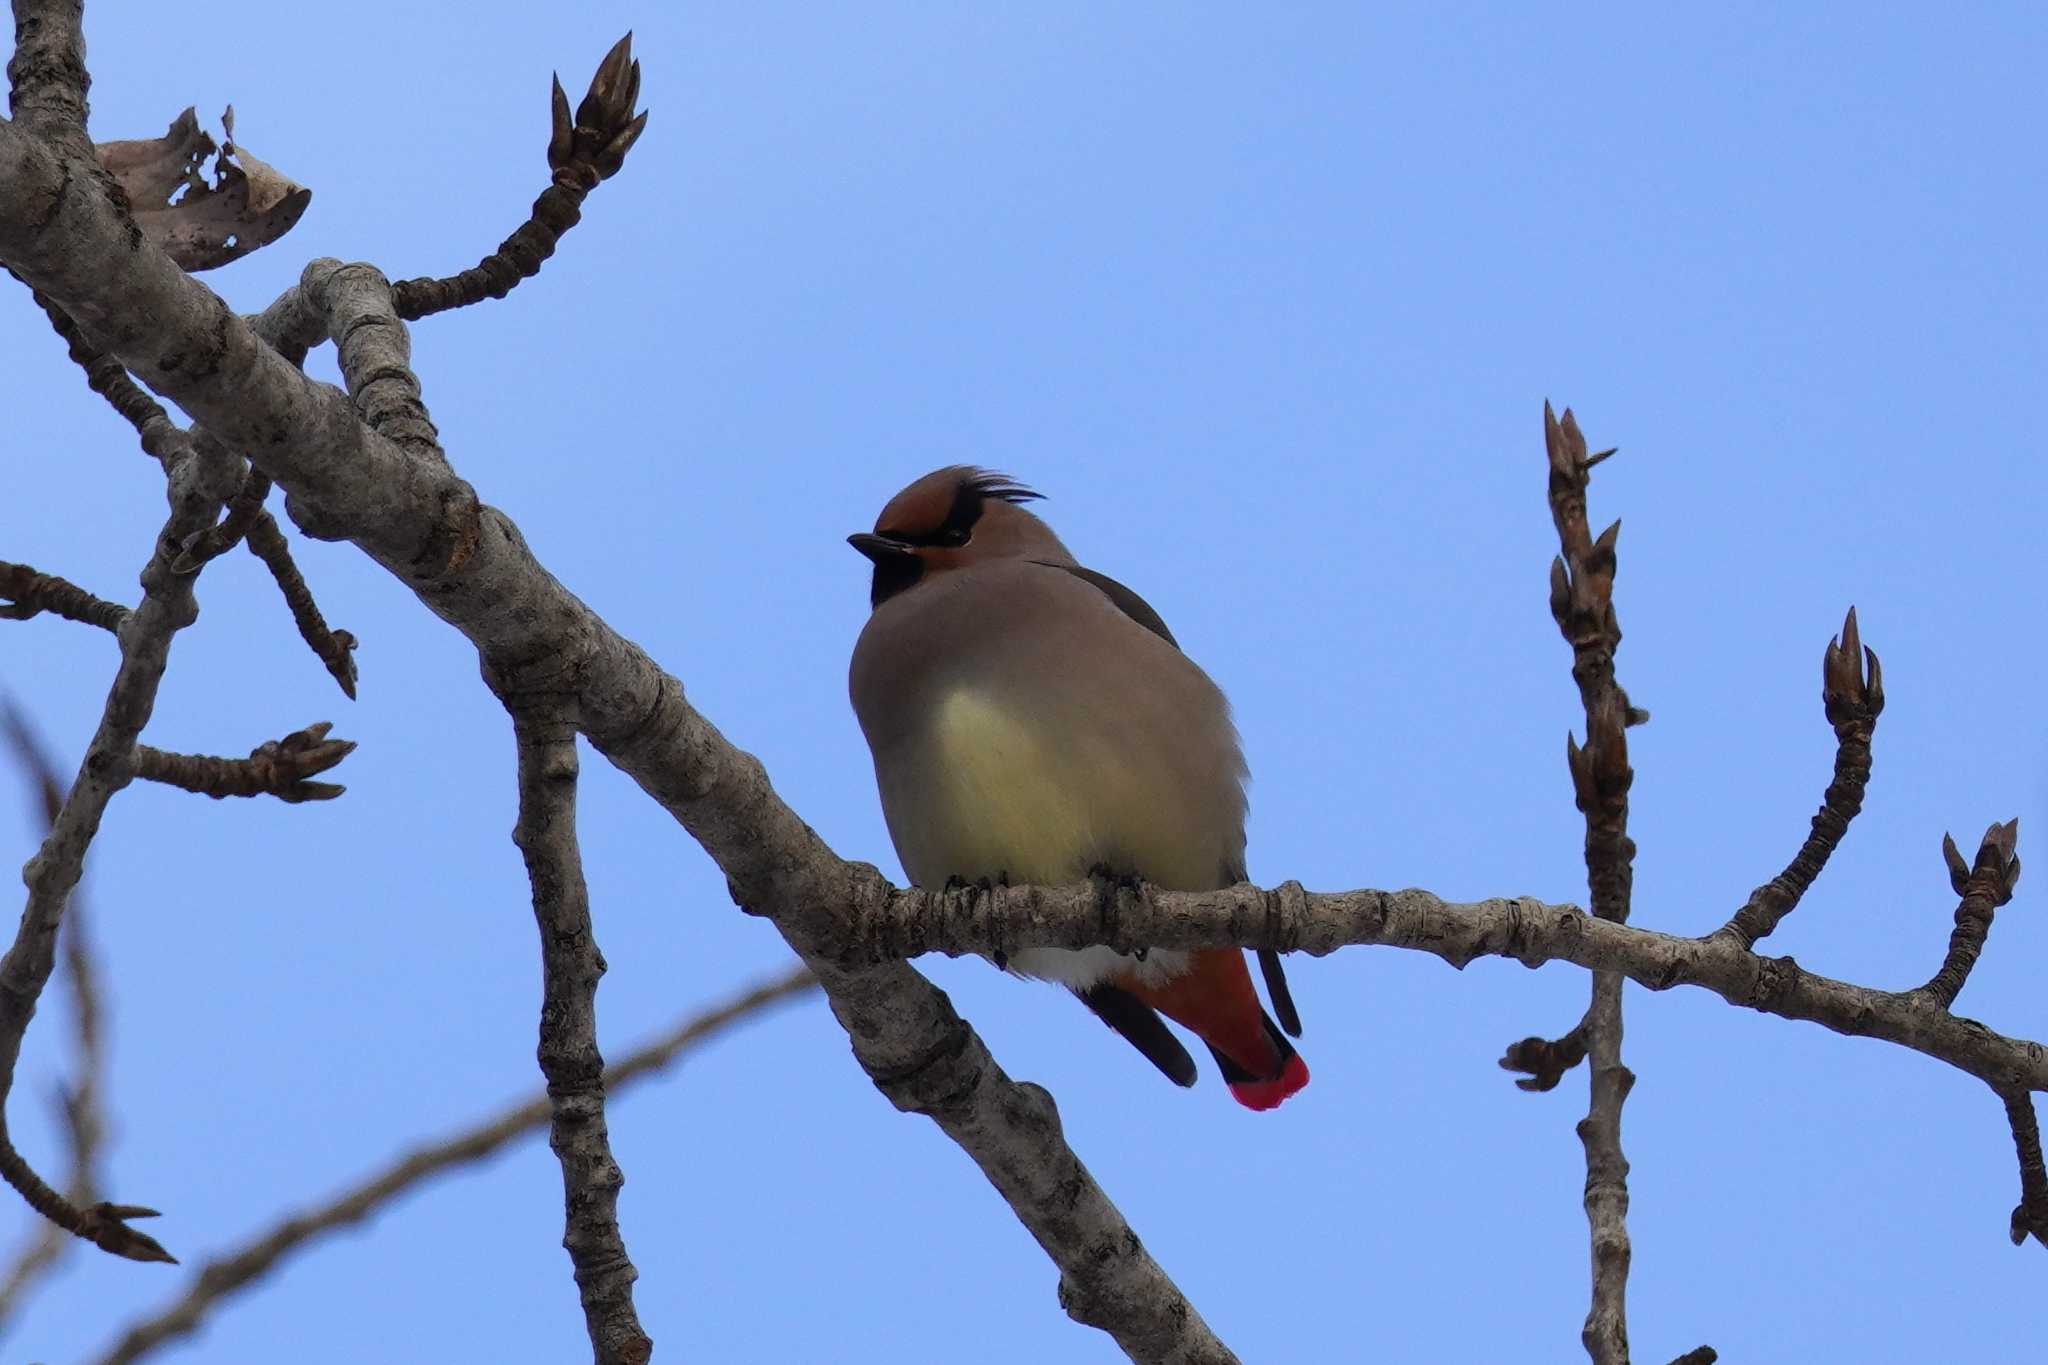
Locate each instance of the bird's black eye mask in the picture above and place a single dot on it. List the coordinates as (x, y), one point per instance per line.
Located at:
(894, 573)
(899, 572)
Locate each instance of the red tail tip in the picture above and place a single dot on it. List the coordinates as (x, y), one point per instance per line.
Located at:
(1264, 1095)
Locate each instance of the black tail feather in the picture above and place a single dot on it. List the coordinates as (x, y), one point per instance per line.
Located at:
(1142, 1027)
(1276, 989)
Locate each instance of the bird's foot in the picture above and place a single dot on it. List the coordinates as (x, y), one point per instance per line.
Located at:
(1118, 881)
(1111, 886)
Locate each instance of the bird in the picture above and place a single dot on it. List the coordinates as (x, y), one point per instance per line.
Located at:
(1034, 722)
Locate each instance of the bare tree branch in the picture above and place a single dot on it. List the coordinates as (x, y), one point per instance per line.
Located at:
(570, 968)
(1853, 699)
(46, 75)
(334, 648)
(1582, 602)
(224, 1276)
(878, 922)
(30, 593)
(374, 349)
(2030, 1215)
(277, 767)
(167, 606)
(582, 152)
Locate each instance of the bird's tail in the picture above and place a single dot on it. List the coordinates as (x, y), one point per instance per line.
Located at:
(1214, 997)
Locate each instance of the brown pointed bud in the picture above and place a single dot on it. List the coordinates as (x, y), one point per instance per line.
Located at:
(1585, 790)
(631, 95)
(605, 84)
(1608, 453)
(1998, 859)
(1607, 743)
(1847, 692)
(599, 108)
(563, 137)
(614, 154)
(105, 1226)
(1603, 548)
(1958, 870)
(1557, 442)
(1568, 426)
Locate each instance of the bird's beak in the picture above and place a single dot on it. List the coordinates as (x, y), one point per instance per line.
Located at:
(879, 548)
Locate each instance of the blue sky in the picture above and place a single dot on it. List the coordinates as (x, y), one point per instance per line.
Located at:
(1268, 306)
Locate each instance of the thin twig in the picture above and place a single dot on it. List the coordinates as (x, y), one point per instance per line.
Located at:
(582, 152)
(1984, 885)
(335, 648)
(221, 1277)
(1852, 692)
(29, 593)
(277, 767)
(2030, 1215)
(570, 968)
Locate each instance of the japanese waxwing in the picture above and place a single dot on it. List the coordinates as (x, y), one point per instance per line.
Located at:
(1034, 721)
